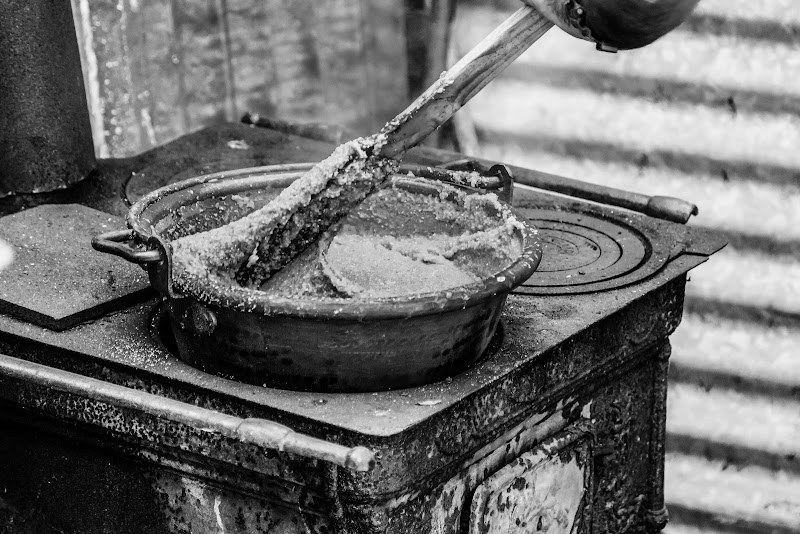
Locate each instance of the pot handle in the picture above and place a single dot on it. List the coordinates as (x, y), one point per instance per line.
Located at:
(119, 242)
(260, 432)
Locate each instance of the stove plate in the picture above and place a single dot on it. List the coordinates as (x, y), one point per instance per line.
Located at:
(584, 253)
(56, 280)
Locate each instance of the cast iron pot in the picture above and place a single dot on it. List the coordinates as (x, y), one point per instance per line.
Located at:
(335, 345)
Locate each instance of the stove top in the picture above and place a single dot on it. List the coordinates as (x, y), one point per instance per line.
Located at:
(585, 253)
(584, 339)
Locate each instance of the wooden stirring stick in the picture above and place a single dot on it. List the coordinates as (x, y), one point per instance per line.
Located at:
(463, 81)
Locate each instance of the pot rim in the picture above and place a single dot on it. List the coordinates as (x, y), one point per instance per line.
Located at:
(254, 301)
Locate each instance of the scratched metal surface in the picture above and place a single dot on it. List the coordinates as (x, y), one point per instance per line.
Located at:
(533, 328)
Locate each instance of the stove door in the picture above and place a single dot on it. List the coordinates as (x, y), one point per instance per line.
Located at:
(547, 489)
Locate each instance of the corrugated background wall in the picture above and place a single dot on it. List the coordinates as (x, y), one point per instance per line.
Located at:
(710, 113)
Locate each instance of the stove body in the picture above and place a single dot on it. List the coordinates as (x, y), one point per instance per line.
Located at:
(559, 427)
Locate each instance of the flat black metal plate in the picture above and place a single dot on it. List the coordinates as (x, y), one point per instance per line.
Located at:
(56, 279)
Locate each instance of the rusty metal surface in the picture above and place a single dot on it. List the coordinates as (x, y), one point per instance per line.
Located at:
(533, 330)
(623, 458)
(45, 134)
(193, 487)
(66, 485)
(558, 355)
(65, 478)
(534, 327)
(57, 280)
(657, 516)
(615, 418)
(544, 489)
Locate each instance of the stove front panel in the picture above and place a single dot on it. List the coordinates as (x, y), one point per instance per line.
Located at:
(608, 433)
(591, 463)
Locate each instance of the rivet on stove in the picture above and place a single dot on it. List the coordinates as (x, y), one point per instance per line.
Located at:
(200, 319)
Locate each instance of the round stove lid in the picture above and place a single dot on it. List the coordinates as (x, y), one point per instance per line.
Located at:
(584, 253)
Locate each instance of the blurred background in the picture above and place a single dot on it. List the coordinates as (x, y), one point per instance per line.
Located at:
(710, 113)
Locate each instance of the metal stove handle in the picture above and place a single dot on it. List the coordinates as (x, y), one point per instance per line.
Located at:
(666, 208)
(661, 207)
(259, 432)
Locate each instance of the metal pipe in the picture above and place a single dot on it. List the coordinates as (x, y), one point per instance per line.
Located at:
(667, 208)
(261, 432)
(45, 132)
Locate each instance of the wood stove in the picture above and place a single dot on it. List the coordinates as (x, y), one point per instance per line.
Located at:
(559, 427)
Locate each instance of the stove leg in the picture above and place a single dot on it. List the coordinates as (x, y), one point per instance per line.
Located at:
(331, 481)
(657, 515)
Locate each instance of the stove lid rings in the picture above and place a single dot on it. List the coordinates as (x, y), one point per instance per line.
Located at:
(585, 253)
